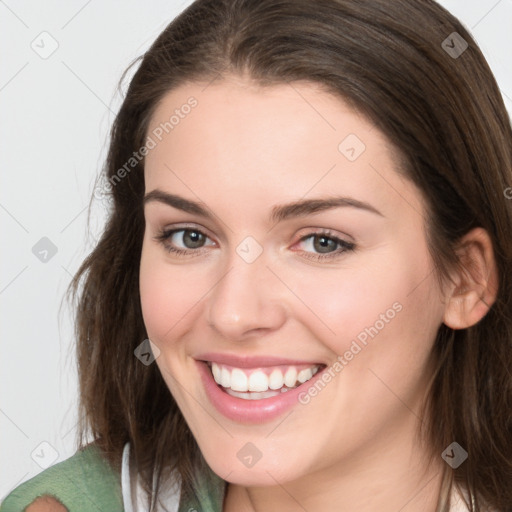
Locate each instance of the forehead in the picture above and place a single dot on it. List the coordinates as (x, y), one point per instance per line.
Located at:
(273, 143)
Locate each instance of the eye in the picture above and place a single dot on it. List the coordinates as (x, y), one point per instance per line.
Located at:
(324, 245)
(183, 241)
(190, 242)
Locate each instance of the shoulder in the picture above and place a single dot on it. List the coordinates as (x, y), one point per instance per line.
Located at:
(83, 482)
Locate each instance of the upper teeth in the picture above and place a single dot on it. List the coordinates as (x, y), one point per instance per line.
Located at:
(261, 379)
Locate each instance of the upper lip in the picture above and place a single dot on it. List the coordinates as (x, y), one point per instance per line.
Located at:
(250, 361)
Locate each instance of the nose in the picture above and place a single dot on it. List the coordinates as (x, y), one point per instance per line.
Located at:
(247, 300)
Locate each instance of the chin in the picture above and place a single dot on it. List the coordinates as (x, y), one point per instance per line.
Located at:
(242, 463)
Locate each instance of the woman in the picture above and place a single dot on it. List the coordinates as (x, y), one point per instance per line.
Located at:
(301, 298)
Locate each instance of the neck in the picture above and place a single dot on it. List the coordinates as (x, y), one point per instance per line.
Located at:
(387, 475)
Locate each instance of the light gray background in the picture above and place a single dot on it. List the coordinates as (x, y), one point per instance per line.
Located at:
(55, 115)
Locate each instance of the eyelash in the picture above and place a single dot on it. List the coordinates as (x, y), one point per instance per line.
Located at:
(164, 235)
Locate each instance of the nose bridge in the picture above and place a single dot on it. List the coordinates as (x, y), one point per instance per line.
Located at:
(246, 298)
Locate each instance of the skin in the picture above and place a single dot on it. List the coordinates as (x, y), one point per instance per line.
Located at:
(46, 504)
(241, 151)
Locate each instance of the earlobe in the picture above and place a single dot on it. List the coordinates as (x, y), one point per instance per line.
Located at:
(475, 283)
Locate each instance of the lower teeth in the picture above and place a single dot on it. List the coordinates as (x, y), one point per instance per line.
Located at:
(255, 395)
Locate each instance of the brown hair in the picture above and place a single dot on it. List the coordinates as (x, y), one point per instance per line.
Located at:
(446, 116)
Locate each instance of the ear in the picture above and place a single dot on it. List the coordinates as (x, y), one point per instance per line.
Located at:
(475, 284)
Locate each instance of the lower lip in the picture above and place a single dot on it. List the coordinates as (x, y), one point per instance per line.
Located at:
(250, 411)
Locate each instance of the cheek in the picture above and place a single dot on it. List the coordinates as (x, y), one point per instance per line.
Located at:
(393, 300)
(168, 294)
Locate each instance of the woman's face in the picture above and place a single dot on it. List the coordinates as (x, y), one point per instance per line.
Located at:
(265, 293)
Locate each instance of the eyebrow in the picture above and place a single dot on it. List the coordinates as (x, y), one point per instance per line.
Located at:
(279, 213)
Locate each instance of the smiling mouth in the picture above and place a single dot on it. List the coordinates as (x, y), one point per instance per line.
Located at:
(263, 382)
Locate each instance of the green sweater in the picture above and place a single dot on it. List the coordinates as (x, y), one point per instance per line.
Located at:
(86, 483)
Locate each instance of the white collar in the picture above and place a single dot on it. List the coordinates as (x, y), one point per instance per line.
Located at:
(134, 497)
(457, 502)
